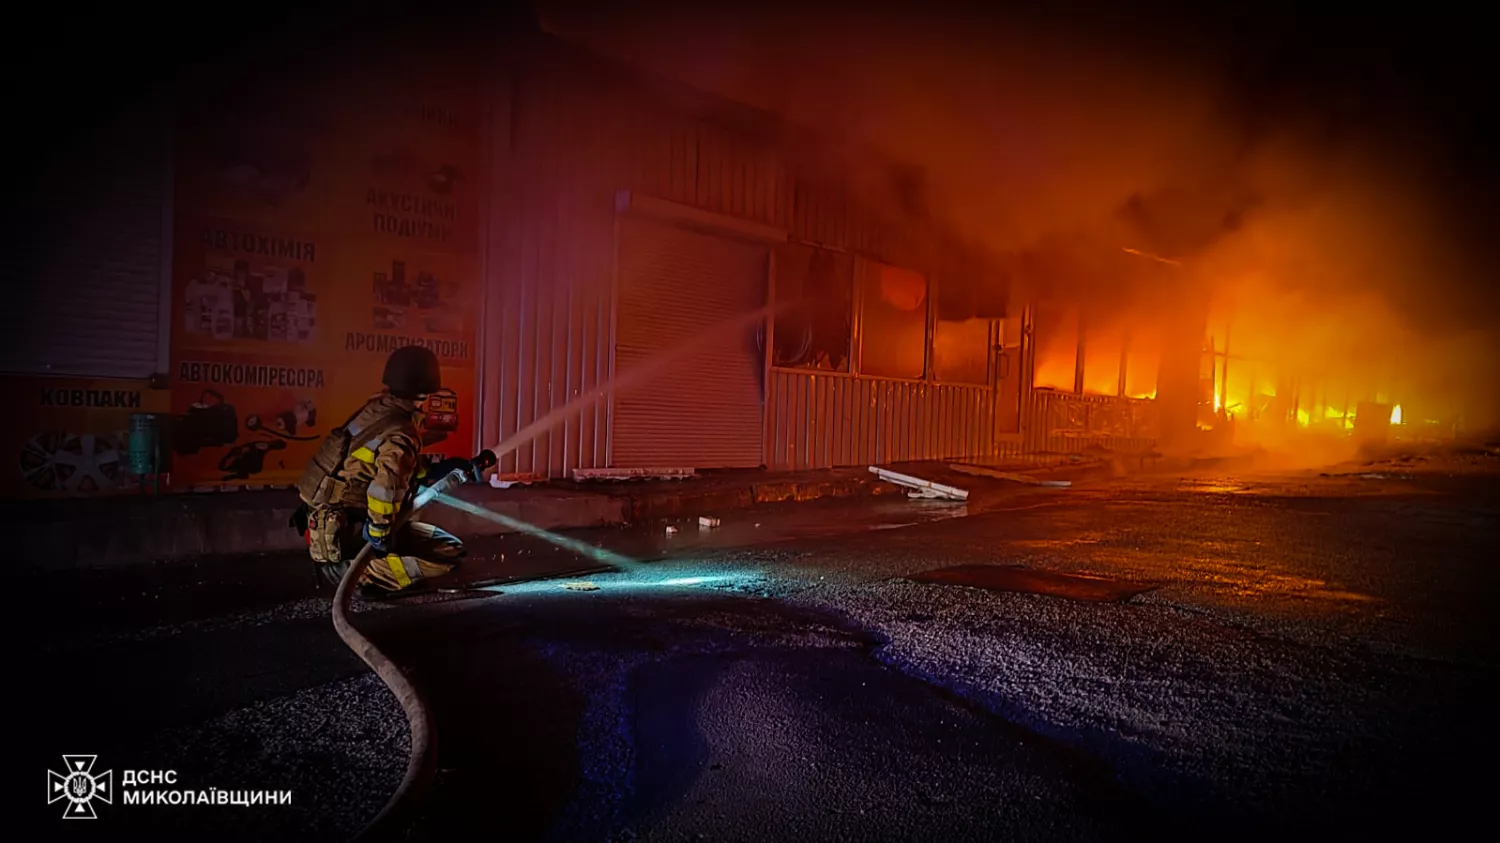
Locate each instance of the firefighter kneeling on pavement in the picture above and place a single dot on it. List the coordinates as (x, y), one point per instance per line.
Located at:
(368, 471)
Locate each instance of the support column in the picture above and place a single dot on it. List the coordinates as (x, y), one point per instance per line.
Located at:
(1078, 360)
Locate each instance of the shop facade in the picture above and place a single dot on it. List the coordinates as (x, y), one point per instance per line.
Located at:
(550, 222)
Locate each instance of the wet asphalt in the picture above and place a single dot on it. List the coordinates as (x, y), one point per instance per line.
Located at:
(1310, 656)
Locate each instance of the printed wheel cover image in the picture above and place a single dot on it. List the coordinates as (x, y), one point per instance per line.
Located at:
(79, 463)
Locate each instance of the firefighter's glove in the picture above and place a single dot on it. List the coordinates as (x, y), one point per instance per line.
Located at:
(445, 467)
(379, 541)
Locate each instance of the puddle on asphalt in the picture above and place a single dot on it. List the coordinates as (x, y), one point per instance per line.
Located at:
(1033, 581)
(1213, 486)
(513, 557)
(1349, 596)
(1244, 579)
(1050, 544)
(756, 527)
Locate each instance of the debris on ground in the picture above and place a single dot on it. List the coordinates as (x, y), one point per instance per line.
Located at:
(923, 488)
(586, 474)
(581, 585)
(705, 521)
(505, 481)
(980, 471)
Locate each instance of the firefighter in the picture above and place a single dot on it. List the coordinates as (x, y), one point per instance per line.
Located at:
(367, 471)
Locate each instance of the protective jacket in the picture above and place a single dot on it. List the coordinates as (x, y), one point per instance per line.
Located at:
(371, 463)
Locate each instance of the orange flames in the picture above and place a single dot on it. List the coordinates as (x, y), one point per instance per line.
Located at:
(1107, 345)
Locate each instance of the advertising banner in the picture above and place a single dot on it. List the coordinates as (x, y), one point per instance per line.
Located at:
(69, 436)
(317, 231)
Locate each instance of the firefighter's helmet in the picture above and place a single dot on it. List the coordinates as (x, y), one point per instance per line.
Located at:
(412, 372)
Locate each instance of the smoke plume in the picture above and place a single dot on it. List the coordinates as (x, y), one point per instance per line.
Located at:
(1306, 178)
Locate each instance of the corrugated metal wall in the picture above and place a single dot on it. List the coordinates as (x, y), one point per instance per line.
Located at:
(822, 420)
(576, 131)
(1062, 422)
(702, 409)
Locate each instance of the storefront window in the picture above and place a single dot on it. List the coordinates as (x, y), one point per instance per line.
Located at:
(971, 297)
(1056, 346)
(817, 287)
(893, 315)
(960, 339)
(1142, 362)
(961, 350)
(1101, 359)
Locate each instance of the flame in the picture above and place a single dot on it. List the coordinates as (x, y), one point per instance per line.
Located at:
(1396, 414)
(1142, 363)
(1129, 337)
(1101, 361)
(1054, 371)
(1056, 347)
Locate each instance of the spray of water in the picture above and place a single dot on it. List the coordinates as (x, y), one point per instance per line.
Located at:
(630, 379)
(634, 377)
(641, 576)
(598, 554)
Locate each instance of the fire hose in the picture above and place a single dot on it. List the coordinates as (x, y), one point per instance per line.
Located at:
(419, 767)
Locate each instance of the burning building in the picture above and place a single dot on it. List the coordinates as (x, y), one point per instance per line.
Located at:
(549, 218)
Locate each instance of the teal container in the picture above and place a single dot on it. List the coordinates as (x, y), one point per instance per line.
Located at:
(144, 448)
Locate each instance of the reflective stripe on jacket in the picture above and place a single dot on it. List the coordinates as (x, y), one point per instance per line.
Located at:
(379, 474)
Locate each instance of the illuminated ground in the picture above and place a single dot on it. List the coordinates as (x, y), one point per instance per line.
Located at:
(1311, 657)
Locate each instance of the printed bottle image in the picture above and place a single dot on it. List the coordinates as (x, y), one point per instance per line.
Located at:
(310, 322)
(192, 307)
(223, 312)
(274, 281)
(427, 291)
(278, 320)
(241, 312)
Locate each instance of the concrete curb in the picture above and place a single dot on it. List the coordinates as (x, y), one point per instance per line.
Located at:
(106, 533)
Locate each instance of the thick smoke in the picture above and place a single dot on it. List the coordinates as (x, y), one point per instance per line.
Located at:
(1307, 182)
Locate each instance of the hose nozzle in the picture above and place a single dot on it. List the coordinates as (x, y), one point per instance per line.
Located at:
(485, 460)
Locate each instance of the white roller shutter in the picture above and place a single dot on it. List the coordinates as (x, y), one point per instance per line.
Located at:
(704, 411)
(89, 298)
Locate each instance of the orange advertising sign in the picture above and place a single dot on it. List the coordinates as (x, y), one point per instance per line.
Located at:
(245, 288)
(317, 233)
(247, 418)
(70, 436)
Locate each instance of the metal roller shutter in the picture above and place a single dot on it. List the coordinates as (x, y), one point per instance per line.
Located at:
(89, 299)
(704, 411)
